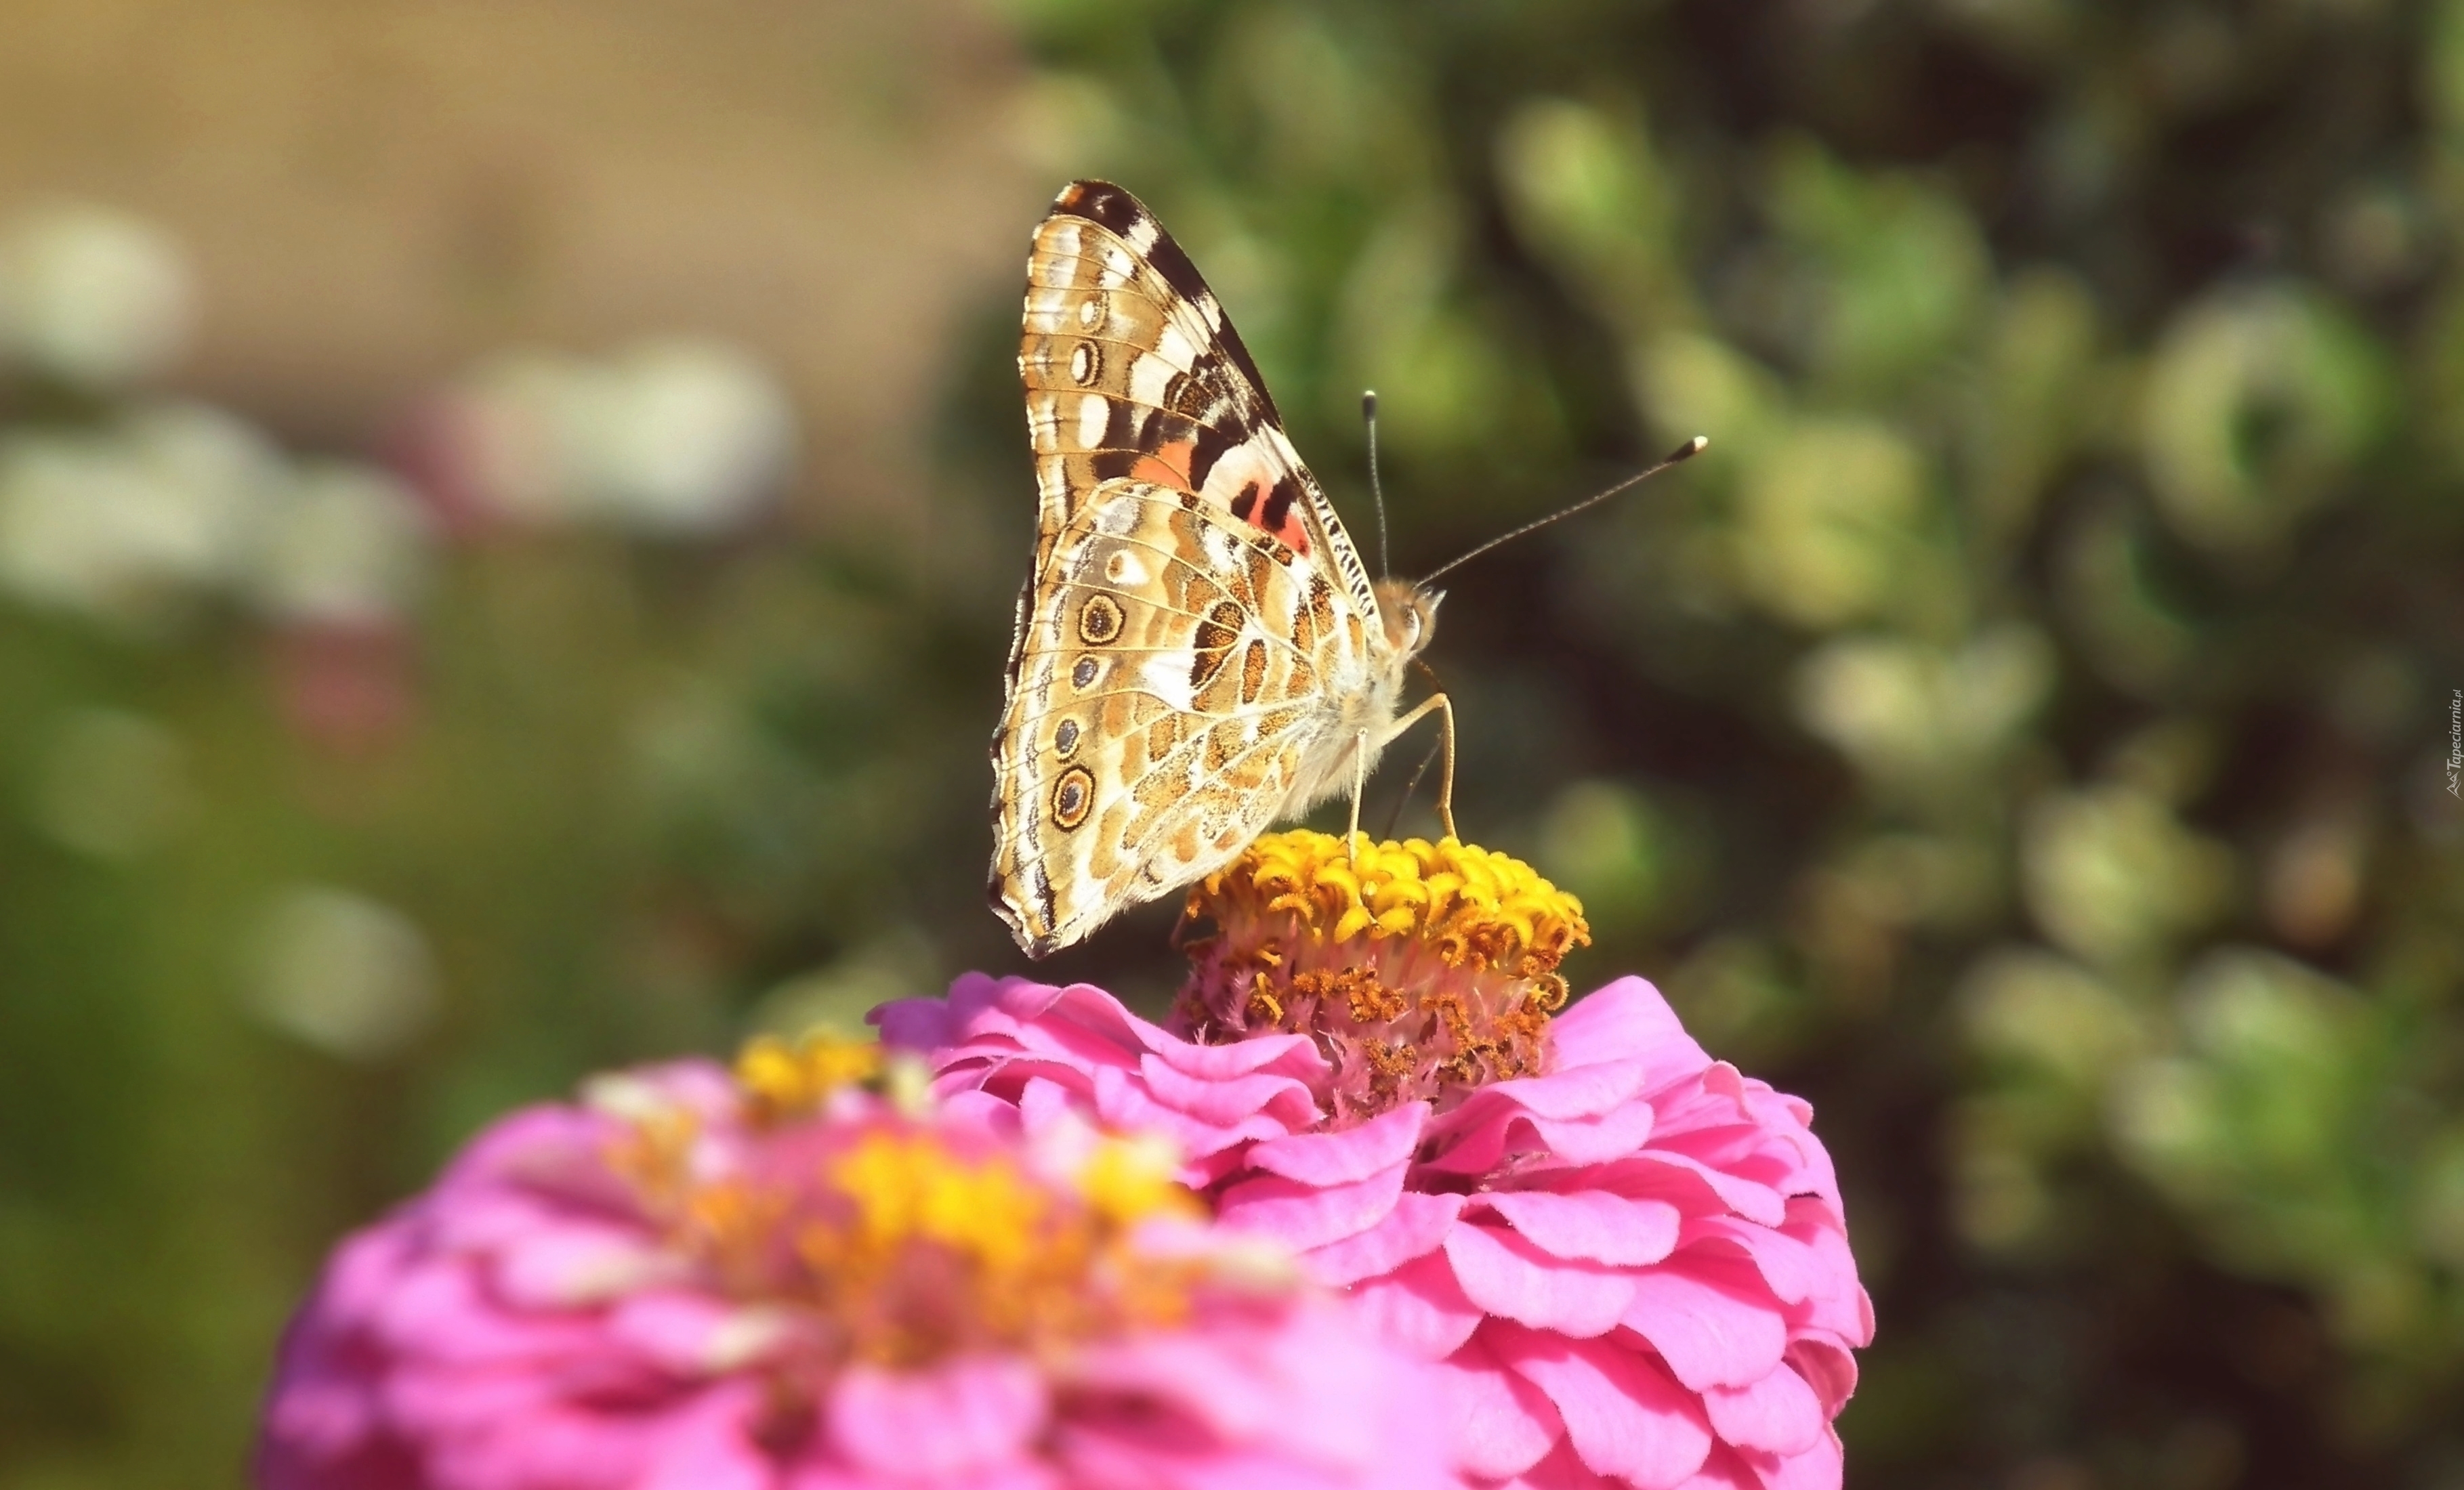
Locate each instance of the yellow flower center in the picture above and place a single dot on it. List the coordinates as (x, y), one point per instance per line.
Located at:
(1422, 970)
(785, 1080)
(885, 1237)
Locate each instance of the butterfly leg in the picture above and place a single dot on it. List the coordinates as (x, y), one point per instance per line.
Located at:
(1437, 704)
(1359, 784)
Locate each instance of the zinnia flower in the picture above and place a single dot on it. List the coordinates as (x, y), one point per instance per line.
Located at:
(1630, 1259)
(803, 1277)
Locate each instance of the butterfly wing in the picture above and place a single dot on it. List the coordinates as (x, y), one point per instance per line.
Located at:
(1133, 369)
(1168, 694)
(1194, 599)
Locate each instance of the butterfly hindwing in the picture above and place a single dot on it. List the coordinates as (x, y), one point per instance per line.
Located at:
(1159, 715)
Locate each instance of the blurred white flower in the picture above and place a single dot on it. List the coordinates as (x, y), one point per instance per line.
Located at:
(350, 975)
(670, 437)
(116, 521)
(696, 438)
(91, 296)
(346, 545)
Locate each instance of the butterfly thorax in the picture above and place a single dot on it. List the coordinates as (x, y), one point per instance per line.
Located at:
(1365, 706)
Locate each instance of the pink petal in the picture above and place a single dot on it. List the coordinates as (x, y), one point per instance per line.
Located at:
(1420, 1307)
(1123, 1102)
(1226, 1100)
(1778, 1414)
(1508, 1275)
(1596, 1140)
(565, 1265)
(1415, 1228)
(1562, 1470)
(1579, 1093)
(1291, 1056)
(962, 1417)
(1828, 1368)
(1789, 1269)
(986, 1109)
(914, 1023)
(1502, 1423)
(1481, 1148)
(1356, 1153)
(1591, 1225)
(1623, 1414)
(1840, 1303)
(1302, 1217)
(1711, 1320)
(546, 1441)
(688, 1334)
(1627, 1020)
(1725, 1469)
(1818, 1468)
(1749, 1199)
(706, 1448)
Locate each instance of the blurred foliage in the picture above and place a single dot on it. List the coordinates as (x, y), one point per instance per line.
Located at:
(2026, 730)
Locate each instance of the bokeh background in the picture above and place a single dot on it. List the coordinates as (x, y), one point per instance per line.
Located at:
(508, 510)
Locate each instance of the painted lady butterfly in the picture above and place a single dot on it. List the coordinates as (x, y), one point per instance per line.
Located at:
(1199, 650)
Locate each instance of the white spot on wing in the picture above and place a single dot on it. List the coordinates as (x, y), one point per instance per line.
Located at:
(1094, 413)
(1149, 375)
(1176, 346)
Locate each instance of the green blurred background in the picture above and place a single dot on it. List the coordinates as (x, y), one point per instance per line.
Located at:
(509, 514)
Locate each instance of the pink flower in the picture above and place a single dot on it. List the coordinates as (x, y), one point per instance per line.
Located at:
(1630, 1259)
(788, 1280)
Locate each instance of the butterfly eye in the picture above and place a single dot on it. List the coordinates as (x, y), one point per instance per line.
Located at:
(1065, 739)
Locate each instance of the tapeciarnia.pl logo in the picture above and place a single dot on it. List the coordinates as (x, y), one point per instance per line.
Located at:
(2456, 744)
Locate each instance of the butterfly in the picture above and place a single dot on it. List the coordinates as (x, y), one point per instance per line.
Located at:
(1199, 650)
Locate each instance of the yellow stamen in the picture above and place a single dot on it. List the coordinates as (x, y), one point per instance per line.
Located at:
(1422, 969)
(911, 1189)
(1467, 903)
(908, 1243)
(782, 1080)
(1129, 1180)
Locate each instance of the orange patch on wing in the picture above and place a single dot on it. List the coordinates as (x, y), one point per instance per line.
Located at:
(1166, 467)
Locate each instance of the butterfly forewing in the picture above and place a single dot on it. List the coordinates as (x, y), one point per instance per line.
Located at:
(1197, 630)
(1133, 369)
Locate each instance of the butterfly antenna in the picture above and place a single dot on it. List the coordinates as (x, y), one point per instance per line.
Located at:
(1377, 492)
(1686, 452)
